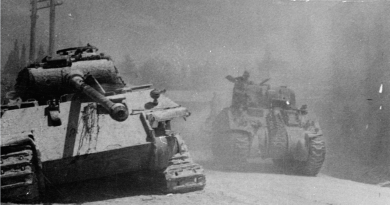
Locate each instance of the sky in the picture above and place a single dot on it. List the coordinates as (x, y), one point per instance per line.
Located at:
(295, 36)
(174, 29)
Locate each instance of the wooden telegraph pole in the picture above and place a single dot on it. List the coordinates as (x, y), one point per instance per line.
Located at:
(34, 9)
(53, 4)
(32, 31)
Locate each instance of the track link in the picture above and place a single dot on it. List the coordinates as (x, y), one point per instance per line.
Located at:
(183, 175)
(18, 174)
(278, 142)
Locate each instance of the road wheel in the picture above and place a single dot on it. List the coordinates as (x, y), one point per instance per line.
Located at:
(312, 166)
(231, 148)
(315, 159)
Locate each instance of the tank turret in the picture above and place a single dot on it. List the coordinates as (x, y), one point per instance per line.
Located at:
(74, 71)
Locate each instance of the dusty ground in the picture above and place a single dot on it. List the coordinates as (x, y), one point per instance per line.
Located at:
(259, 183)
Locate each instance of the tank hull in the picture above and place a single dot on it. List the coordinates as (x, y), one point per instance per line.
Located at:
(89, 144)
(97, 165)
(267, 124)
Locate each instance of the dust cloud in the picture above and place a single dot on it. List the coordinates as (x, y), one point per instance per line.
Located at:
(334, 55)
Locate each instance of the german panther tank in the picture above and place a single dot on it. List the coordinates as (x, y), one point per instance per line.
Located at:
(264, 122)
(72, 118)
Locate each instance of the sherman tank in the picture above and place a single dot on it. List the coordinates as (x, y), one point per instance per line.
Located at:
(265, 122)
(71, 118)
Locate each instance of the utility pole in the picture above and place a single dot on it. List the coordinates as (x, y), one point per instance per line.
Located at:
(34, 9)
(52, 27)
(32, 31)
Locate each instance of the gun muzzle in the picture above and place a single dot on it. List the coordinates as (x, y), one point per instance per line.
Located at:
(118, 111)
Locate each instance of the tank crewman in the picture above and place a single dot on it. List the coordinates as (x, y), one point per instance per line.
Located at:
(239, 95)
(13, 98)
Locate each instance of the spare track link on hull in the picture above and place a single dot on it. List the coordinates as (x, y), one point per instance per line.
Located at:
(18, 174)
(183, 175)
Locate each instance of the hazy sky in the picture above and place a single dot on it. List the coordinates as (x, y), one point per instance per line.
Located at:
(298, 37)
(187, 29)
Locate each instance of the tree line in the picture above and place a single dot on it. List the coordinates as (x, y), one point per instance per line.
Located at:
(17, 60)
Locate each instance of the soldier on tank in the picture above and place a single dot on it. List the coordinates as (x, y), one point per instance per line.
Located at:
(12, 98)
(240, 97)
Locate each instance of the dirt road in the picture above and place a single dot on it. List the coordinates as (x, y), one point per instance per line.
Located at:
(258, 183)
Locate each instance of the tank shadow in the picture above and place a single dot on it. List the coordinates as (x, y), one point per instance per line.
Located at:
(112, 187)
(253, 166)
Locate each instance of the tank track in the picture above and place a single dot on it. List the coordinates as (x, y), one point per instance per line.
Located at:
(183, 175)
(19, 181)
(278, 142)
(316, 157)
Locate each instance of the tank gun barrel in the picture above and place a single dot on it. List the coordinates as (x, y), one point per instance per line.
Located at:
(117, 111)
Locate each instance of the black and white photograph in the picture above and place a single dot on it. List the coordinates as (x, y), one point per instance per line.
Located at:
(263, 102)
